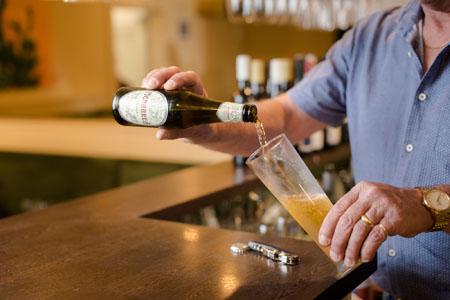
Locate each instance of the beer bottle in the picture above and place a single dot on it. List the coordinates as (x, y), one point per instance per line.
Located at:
(316, 141)
(243, 79)
(175, 109)
(280, 76)
(257, 80)
(242, 95)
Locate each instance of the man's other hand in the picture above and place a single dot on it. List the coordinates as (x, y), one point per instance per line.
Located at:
(399, 211)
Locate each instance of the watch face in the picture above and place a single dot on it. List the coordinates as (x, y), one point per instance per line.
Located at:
(438, 200)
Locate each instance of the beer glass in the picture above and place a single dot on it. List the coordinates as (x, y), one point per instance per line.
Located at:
(278, 165)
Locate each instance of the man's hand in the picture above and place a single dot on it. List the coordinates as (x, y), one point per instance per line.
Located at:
(172, 78)
(399, 210)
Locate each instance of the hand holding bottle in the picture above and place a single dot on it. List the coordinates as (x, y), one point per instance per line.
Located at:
(279, 115)
(173, 78)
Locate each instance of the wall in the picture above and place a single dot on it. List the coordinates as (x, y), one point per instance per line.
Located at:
(194, 35)
(212, 42)
(81, 70)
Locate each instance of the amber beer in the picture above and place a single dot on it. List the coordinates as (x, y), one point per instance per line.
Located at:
(309, 213)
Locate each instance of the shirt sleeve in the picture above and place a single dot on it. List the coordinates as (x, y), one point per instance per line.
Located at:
(321, 94)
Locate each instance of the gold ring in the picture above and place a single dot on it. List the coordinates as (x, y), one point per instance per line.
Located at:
(384, 229)
(367, 221)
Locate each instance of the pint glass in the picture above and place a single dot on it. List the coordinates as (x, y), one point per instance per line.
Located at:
(284, 173)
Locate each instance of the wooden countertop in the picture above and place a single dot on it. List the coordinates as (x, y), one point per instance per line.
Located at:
(101, 247)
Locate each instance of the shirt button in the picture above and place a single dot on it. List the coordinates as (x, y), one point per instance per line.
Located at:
(409, 53)
(422, 96)
(392, 252)
(409, 148)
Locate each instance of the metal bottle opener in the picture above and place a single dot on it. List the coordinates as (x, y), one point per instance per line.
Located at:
(268, 251)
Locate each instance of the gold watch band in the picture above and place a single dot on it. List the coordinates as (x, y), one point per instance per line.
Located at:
(440, 221)
(439, 226)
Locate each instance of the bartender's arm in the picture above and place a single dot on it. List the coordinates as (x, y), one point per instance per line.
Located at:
(391, 210)
(278, 115)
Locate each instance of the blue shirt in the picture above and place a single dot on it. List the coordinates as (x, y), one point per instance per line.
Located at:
(399, 126)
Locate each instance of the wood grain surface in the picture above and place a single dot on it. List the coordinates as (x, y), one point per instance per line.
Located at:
(100, 247)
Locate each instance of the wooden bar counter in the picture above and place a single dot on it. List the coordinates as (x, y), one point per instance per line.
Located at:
(114, 245)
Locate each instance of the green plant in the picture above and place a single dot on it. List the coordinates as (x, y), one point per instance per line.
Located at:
(17, 59)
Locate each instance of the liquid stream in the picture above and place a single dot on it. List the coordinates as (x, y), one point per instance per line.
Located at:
(261, 133)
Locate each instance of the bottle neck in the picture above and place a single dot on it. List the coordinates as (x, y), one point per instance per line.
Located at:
(249, 113)
(298, 70)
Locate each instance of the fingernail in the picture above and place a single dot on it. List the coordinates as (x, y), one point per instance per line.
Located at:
(334, 256)
(365, 260)
(169, 84)
(153, 83)
(323, 240)
(348, 262)
(160, 135)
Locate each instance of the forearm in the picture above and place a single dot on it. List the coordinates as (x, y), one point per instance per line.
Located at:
(278, 115)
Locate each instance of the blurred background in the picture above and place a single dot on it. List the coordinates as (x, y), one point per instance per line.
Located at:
(62, 61)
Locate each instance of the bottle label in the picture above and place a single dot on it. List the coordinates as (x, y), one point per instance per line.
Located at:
(145, 108)
(305, 146)
(230, 112)
(334, 136)
(318, 140)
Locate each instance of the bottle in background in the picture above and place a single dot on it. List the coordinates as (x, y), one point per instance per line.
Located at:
(257, 80)
(345, 133)
(242, 95)
(268, 81)
(175, 109)
(316, 141)
(329, 181)
(258, 9)
(299, 67)
(243, 78)
(333, 136)
(280, 76)
(305, 147)
(310, 61)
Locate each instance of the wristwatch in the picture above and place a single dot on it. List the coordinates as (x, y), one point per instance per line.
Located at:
(438, 204)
